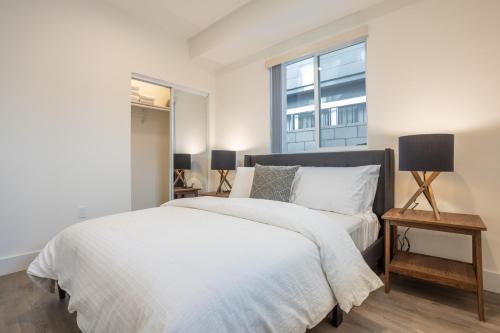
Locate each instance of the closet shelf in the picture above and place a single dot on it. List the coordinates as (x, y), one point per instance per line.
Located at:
(150, 107)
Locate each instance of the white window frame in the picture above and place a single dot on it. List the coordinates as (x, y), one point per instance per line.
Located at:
(317, 97)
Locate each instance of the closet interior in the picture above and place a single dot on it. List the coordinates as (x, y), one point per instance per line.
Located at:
(151, 140)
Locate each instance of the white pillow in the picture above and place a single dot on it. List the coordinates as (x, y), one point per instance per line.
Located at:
(243, 181)
(349, 190)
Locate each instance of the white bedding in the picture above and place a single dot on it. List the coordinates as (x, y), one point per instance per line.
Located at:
(207, 265)
(363, 228)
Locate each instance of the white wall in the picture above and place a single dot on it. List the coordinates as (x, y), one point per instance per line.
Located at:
(65, 113)
(150, 152)
(431, 67)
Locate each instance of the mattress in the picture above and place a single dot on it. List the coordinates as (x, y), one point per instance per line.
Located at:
(363, 228)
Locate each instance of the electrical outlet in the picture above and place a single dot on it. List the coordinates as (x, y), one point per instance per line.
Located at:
(82, 212)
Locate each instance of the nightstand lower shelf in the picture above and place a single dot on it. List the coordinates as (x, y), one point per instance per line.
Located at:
(438, 270)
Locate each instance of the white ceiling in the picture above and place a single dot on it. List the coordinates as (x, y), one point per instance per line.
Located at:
(262, 24)
(223, 32)
(184, 18)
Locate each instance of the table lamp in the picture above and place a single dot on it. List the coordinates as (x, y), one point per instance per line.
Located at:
(432, 153)
(223, 161)
(182, 162)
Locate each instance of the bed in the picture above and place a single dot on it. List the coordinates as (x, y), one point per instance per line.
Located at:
(221, 265)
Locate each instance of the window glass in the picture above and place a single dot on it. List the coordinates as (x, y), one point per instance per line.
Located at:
(340, 91)
(342, 97)
(300, 112)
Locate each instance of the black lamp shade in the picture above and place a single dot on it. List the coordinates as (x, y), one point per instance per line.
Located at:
(426, 152)
(223, 160)
(182, 161)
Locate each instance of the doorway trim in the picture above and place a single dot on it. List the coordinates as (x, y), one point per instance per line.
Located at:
(168, 84)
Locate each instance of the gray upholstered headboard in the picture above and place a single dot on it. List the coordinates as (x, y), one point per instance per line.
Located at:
(384, 198)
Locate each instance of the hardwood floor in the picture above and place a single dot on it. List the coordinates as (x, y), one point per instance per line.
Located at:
(24, 307)
(412, 306)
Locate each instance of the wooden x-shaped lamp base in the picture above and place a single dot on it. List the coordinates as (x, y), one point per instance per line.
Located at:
(180, 176)
(223, 180)
(426, 189)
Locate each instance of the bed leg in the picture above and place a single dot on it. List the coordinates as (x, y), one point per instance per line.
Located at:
(62, 293)
(337, 316)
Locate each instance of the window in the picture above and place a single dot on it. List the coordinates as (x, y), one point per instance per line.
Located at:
(324, 101)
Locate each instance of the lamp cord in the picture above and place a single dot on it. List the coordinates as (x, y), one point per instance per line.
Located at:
(403, 240)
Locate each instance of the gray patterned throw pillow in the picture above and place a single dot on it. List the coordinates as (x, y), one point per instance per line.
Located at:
(273, 182)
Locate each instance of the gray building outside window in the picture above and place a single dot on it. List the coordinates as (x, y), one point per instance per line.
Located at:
(341, 101)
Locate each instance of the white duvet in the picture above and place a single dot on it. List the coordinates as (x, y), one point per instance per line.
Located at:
(207, 265)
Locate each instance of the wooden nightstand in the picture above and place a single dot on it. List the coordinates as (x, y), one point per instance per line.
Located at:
(181, 192)
(214, 194)
(468, 276)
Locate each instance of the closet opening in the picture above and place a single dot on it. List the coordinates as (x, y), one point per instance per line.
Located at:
(167, 120)
(151, 143)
